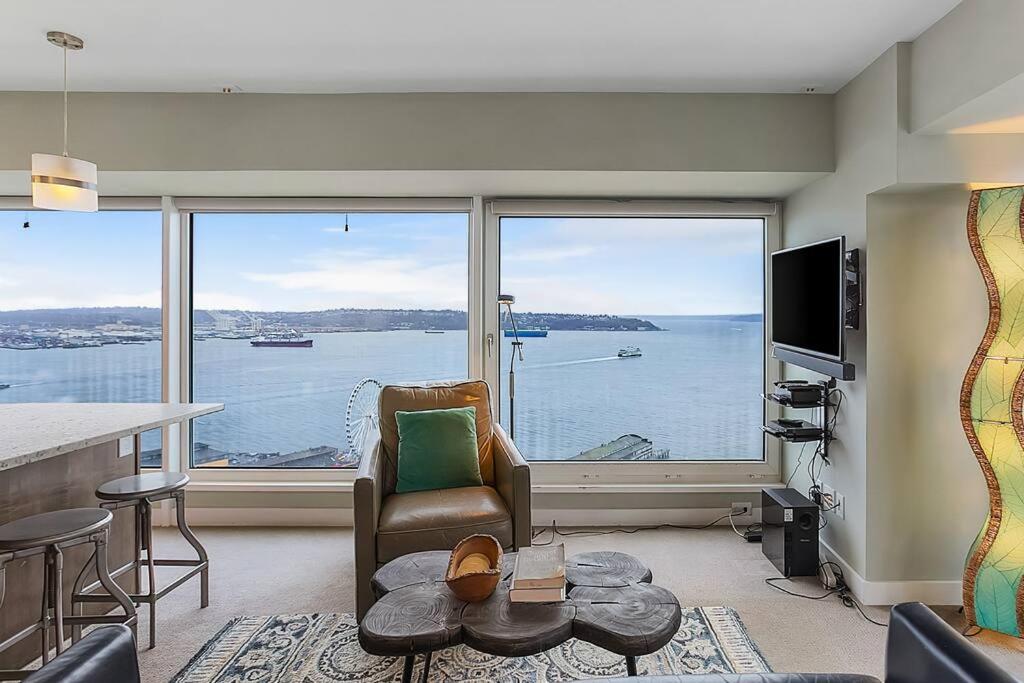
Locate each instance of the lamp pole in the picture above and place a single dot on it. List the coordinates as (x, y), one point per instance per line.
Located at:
(517, 349)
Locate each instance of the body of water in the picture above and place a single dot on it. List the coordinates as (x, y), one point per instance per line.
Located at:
(694, 391)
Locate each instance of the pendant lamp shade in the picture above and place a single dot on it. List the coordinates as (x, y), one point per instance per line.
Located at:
(63, 183)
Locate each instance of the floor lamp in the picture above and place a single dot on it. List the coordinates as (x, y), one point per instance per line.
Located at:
(992, 413)
(507, 300)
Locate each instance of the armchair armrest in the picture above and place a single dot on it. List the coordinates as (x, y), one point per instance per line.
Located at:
(106, 654)
(512, 480)
(367, 497)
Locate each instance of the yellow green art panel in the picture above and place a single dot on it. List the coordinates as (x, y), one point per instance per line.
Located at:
(992, 412)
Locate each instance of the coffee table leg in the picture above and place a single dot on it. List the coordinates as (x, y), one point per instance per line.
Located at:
(407, 668)
(426, 667)
(630, 666)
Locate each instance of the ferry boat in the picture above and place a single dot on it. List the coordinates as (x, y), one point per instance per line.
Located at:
(433, 331)
(290, 339)
(527, 333)
(630, 352)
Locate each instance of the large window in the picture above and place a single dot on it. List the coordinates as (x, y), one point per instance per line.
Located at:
(80, 317)
(643, 338)
(297, 318)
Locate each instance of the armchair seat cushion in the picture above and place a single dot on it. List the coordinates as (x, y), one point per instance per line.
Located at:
(438, 520)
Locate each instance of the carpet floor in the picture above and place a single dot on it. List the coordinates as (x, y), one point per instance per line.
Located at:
(285, 570)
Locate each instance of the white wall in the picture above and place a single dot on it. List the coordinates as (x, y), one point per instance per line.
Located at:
(423, 144)
(974, 50)
(927, 497)
(915, 497)
(866, 128)
(445, 131)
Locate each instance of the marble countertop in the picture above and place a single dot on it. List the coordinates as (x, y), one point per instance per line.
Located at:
(35, 431)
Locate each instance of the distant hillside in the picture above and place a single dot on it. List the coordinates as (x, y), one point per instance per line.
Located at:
(580, 321)
(332, 319)
(81, 317)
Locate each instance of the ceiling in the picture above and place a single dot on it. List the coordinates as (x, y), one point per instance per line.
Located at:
(330, 46)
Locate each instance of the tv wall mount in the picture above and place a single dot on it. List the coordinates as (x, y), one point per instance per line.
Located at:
(852, 303)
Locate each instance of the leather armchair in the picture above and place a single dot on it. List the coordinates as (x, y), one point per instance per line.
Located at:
(105, 655)
(389, 524)
(921, 648)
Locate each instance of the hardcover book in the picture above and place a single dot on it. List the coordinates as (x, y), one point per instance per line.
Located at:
(539, 567)
(537, 594)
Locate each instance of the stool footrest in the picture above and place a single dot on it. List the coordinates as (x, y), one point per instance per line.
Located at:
(179, 563)
(21, 635)
(88, 620)
(15, 674)
(197, 566)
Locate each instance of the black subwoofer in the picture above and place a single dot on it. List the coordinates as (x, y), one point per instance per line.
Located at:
(790, 537)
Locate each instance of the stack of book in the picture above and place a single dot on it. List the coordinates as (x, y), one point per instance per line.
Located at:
(539, 575)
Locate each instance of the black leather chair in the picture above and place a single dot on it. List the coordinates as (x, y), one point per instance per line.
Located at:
(921, 648)
(105, 655)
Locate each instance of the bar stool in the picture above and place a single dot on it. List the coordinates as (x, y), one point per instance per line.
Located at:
(140, 492)
(49, 534)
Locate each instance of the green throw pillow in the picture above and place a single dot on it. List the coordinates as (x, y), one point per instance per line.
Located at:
(437, 449)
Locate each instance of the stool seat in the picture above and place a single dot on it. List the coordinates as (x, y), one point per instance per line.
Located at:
(50, 528)
(141, 485)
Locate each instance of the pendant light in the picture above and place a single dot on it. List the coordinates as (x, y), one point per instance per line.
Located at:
(62, 182)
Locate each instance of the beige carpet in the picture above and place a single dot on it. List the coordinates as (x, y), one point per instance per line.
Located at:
(277, 571)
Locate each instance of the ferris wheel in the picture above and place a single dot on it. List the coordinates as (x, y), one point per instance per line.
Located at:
(361, 422)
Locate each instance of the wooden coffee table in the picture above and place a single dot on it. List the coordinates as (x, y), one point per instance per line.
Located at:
(611, 603)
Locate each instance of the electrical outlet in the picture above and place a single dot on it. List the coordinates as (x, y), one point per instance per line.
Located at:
(740, 509)
(828, 497)
(832, 501)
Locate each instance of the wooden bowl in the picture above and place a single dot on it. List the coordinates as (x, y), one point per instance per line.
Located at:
(475, 586)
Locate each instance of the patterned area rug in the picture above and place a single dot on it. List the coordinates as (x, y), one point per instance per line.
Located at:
(323, 648)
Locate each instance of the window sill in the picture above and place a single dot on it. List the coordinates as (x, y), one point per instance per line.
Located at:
(666, 487)
(346, 487)
(272, 486)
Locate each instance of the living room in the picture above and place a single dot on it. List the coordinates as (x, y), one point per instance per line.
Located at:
(511, 341)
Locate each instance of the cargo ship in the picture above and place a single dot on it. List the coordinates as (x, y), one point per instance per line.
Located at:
(527, 333)
(630, 352)
(291, 339)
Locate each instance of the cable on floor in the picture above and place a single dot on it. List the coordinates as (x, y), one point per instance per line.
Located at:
(840, 589)
(556, 532)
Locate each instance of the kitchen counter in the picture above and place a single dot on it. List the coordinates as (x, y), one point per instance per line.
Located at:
(30, 432)
(52, 457)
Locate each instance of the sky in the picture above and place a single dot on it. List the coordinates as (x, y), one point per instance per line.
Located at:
(295, 262)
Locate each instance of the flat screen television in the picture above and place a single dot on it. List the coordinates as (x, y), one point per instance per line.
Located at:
(808, 299)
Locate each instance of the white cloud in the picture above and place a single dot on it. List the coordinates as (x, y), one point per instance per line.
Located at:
(29, 286)
(559, 294)
(223, 301)
(722, 235)
(549, 254)
(363, 279)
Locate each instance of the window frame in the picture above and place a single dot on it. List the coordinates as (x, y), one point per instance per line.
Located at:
(567, 473)
(484, 214)
(276, 478)
(133, 204)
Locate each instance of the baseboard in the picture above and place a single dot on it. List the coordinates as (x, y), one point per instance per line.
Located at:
(232, 516)
(893, 592)
(639, 517)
